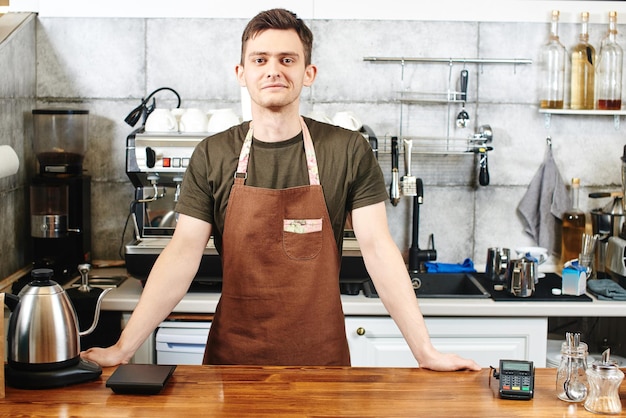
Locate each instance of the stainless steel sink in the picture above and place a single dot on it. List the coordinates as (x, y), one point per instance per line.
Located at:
(441, 285)
(448, 285)
(102, 281)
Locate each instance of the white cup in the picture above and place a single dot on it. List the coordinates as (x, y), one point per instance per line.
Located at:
(222, 119)
(347, 120)
(161, 120)
(193, 120)
(320, 116)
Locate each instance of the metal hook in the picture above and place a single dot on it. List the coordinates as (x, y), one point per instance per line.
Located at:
(549, 142)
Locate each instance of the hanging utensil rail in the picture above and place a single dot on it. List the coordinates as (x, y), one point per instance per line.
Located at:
(514, 61)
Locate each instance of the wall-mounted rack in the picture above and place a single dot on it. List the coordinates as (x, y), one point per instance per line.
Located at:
(427, 145)
(476, 144)
(513, 61)
(450, 96)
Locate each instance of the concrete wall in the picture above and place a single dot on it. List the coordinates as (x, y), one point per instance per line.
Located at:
(17, 97)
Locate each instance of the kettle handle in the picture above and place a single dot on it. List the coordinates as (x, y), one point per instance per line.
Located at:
(11, 301)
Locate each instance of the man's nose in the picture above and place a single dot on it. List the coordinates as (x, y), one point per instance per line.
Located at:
(273, 69)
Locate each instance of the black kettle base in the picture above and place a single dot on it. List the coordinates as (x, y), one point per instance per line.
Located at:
(83, 371)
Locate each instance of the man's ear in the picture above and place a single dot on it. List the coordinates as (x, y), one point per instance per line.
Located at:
(239, 74)
(309, 75)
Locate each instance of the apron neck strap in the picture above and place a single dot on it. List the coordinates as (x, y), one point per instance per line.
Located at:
(311, 160)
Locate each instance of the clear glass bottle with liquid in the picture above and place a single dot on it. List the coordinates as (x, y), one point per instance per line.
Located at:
(552, 61)
(583, 59)
(609, 69)
(574, 222)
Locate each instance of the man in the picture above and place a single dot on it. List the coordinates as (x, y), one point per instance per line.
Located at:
(275, 193)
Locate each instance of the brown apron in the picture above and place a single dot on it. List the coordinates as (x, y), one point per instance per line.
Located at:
(280, 302)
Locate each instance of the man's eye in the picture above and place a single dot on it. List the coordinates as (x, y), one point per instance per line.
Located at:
(287, 60)
(259, 60)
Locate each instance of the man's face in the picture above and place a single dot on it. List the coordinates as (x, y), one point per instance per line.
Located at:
(274, 69)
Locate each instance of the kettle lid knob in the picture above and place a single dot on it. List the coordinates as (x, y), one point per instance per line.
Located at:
(42, 277)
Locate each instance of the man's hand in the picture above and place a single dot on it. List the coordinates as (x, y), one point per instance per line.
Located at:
(105, 357)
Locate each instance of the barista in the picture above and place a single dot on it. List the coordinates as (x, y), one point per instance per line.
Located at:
(276, 192)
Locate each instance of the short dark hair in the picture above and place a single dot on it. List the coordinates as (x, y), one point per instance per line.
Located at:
(279, 19)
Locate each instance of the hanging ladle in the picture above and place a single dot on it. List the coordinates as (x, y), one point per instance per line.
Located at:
(462, 119)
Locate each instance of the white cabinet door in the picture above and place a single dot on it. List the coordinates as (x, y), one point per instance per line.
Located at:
(376, 341)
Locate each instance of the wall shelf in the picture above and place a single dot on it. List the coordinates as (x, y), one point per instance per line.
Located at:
(615, 113)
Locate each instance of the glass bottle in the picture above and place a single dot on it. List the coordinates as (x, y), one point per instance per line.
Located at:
(552, 69)
(604, 379)
(574, 222)
(609, 69)
(571, 376)
(583, 59)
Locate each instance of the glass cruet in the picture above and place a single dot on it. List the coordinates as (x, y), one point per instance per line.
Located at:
(604, 378)
(571, 377)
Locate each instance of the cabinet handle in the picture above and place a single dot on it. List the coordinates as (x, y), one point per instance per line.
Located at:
(360, 331)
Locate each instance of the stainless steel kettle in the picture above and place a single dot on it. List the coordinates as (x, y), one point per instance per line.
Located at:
(43, 329)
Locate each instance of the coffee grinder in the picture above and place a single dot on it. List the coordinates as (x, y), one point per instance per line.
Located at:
(60, 194)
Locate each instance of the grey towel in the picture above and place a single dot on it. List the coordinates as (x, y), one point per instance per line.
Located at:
(543, 205)
(606, 289)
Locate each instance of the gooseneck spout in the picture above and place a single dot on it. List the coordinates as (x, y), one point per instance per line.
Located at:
(96, 316)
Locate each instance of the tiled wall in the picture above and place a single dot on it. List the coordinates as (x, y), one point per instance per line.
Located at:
(108, 64)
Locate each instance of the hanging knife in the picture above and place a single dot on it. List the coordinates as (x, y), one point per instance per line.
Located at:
(409, 182)
(394, 189)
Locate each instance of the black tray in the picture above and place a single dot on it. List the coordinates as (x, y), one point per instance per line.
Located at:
(140, 379)
(543, 292)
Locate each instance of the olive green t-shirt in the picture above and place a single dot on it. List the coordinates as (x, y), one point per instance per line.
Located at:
(349, 172)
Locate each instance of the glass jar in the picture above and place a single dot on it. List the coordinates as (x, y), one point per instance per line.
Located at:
(604, 379)
(571, 377)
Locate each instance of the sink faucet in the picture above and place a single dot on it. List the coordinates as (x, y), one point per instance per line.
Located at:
(417, 256)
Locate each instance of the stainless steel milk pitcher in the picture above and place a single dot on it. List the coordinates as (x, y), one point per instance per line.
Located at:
(521, 276)
(497, 260)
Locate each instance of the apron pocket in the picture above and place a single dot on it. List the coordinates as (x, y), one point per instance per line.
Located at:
(302, 238)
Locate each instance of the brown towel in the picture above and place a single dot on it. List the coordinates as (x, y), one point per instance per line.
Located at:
(543, 205)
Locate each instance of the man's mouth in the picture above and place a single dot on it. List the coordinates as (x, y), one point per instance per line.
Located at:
(273, 86)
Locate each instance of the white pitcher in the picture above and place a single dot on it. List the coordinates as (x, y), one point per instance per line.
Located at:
(222, 119)
(347, 120)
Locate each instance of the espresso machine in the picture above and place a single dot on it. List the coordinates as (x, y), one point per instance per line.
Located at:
(60, 193)
(155, 165)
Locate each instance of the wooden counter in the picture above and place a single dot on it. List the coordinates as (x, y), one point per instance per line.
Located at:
(237, 391)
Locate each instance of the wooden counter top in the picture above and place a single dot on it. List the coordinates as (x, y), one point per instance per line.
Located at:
(211, 391)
